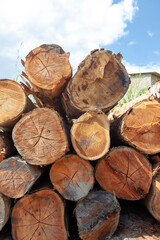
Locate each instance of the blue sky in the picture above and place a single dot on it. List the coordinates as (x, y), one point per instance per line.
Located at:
(127, 26)
(141, 46)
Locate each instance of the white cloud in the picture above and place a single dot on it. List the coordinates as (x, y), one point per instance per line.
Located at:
(77, 26)
(150, 34)
(150, 67)
(156, 52)
(131, 43)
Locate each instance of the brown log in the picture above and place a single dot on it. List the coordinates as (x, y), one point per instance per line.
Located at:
(90, 135)
(139, 127)
(5, 209)
(72, 177)
(40, 137)
(124, 172)
(13, 103)
(152, 200)
(97, 215)
(48, 70)
(100, 82)
(17, 176)
(39, 216)
(7, 148)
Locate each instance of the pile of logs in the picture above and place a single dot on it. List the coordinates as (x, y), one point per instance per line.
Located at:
(66, 161)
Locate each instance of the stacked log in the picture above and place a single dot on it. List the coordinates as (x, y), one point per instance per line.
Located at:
(86, 157)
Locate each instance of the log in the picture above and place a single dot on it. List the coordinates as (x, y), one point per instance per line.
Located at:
(17, 176)
(48, 70)
(99, 83)
(72, 177)
(5, 209)
(139, 127)
(39, 216)
(90, 135)
(7, 148)
(97, 215)
(13, 103)
(124, 172)
(151, 201)
(40, 137)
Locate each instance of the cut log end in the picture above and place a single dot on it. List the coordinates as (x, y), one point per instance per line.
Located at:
(39, 216)
(100, 82)
(72, 177)
(90, 135)
(152, 199)
(5, 209)
(17, 177)
(40, 137)
(125, 172)
(48, 69)
(13, 102)
(143, 133)
(97, 216)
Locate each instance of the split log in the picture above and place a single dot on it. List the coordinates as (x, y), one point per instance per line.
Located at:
(5, 209)
(72, 177)
(39, 216)
(48, 70)
(97, 215)
(17, 176)
(40, 137)
(152, 199)
(90, 135)
(125, 172)
(13, 103)
(100, 82)
(139, 127)
(7, 148)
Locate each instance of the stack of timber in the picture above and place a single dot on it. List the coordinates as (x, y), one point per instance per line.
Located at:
(70, 169)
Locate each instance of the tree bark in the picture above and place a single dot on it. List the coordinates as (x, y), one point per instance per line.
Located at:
(139, 127)
(13, 103)
(39, 216)
(5, 209)
(125, 172)
(48, 70)
(152, 199)
(17, 176)
(97, 216)
(40, 137)
(90, 135)
(100, 82)
(72, 177)
(7, 148)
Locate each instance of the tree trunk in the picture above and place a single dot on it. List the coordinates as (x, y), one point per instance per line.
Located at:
(90, 135)
(39, 216)
(97, 215)
(153, 197)
(100, 82)
(13, 103)
(17, 176)
(125, 172)
(5, 209)
(40, 137)
(7, 148)
(48, 70)
(72, 177)
(139, 127)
